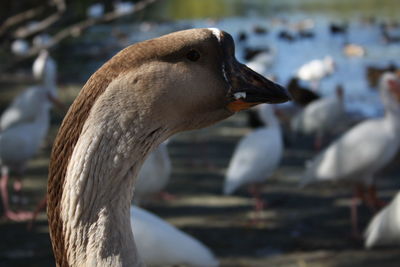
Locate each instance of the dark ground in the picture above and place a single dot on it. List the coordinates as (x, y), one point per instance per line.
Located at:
(301, 227)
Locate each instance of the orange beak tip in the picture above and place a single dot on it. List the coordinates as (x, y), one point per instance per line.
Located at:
(239, 105)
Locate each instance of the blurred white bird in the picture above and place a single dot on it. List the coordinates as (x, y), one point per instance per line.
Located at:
(154, 174)
(320, 117)
(23, 127)
(27, 105)
(363, 150)
(384, 228)
(19, 143)
(161, 244)
(123, 7)
(20, 47)
(256, 156)
(316, 70)
(95, 10)
(262, 62)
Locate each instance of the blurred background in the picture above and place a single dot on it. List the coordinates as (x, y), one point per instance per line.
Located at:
(333, 52)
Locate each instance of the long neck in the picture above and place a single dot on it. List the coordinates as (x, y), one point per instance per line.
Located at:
(94, 162)
(95, 205)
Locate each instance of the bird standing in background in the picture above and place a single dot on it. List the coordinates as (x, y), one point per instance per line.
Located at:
(256, 157)
(23, 127)
(362, 151)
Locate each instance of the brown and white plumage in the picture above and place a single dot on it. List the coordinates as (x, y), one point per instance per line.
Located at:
(143, 95)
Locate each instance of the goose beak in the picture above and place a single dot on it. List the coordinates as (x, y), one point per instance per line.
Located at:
(249, 88)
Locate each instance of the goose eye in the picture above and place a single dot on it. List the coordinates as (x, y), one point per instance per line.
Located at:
(193, 55)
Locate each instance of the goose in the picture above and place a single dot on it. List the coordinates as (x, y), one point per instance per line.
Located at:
(363, 150)
(384, 228)
(144, 94)
(256, 157)
(320, 116)
(161, 244)
(315, 70)
(154, 174)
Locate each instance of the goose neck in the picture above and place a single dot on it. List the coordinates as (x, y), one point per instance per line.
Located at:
(98, 190)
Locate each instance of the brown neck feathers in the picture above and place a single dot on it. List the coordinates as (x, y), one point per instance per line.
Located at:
(63, 147)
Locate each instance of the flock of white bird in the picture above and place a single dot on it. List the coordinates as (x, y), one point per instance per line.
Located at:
(356, 156)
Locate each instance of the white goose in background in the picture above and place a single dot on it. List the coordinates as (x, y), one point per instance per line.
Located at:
(384, 228)
(315, 70)
(139, 98)
(363, 150)
(256, 156)
(162, 244)
(154, 174)
(23, 127)
(320, 117)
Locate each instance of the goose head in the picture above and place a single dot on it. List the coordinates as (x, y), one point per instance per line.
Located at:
(144, 94)
(190, 77)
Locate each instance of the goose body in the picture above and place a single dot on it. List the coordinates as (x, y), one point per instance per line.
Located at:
(384, 228)
(257, 155)
(160, 243)
(154, 173)
(139, 98)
